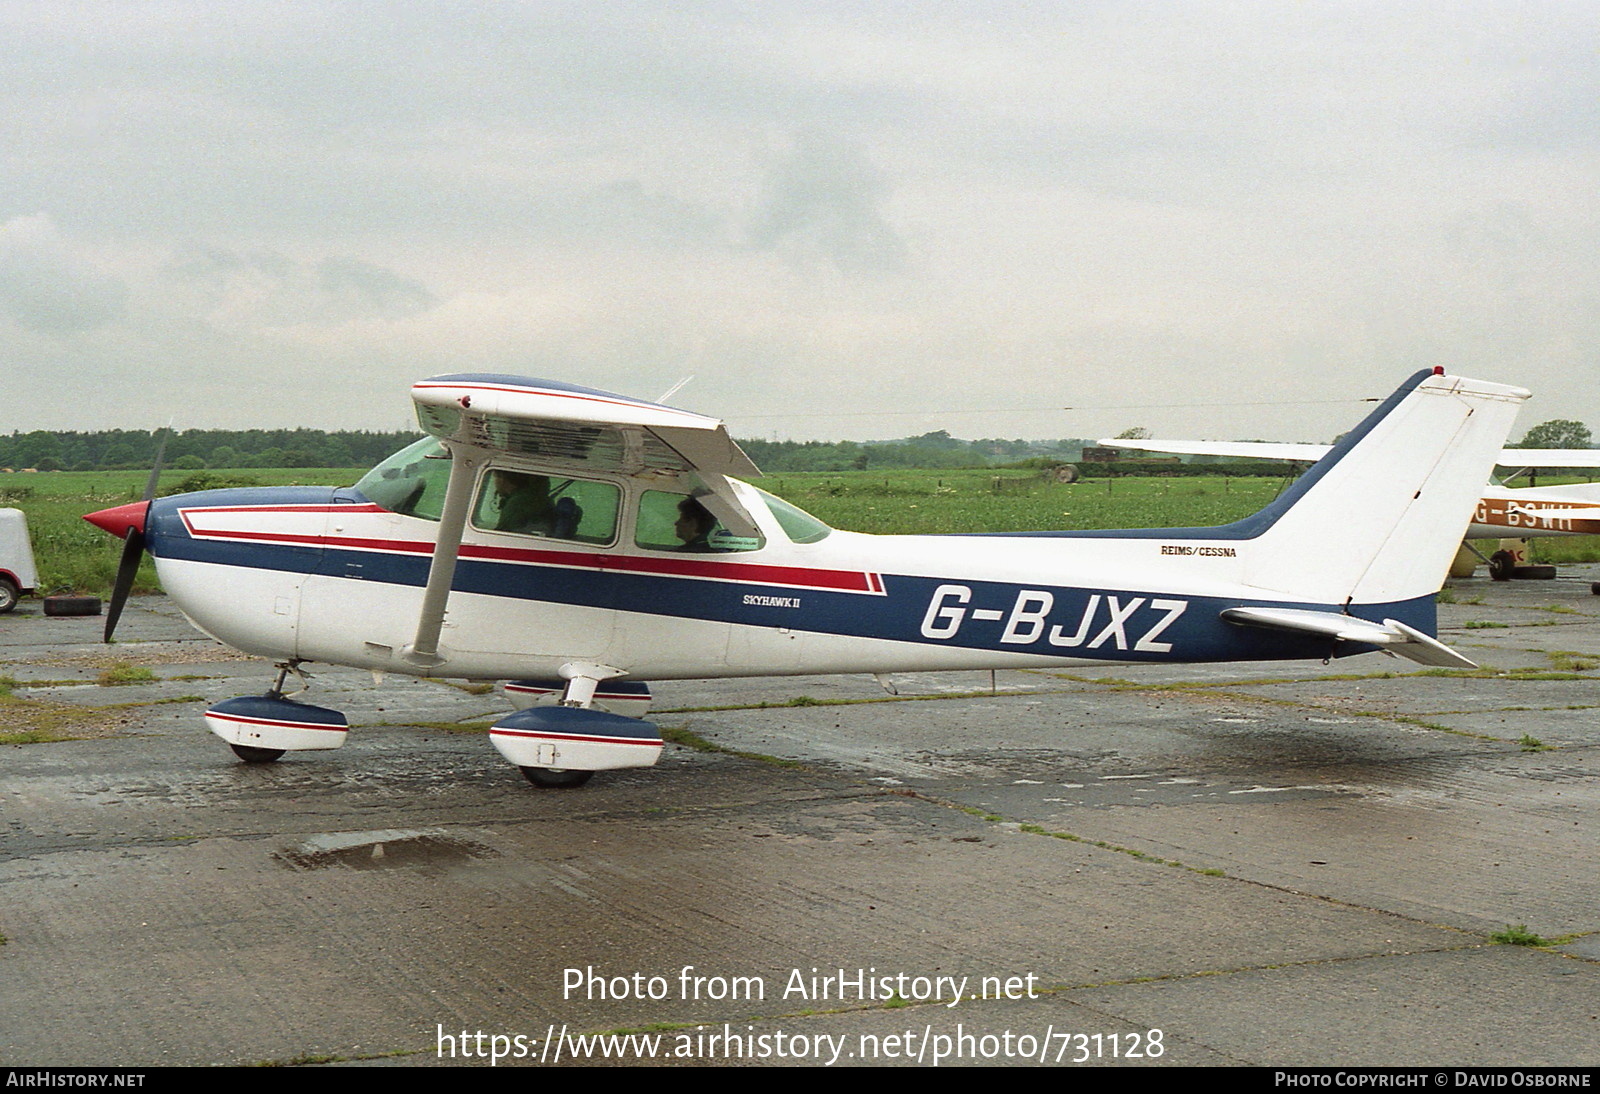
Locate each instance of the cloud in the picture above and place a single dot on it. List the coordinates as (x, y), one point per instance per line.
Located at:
(49, 289)
(351, 287)
(243, 289)
(824, 199)
(838, 202)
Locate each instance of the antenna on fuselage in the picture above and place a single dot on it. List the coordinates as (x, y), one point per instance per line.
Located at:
(675, 388)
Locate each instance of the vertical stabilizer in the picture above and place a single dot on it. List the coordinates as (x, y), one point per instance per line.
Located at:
(1379, 518)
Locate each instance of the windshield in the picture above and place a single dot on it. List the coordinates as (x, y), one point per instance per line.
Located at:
(799, 525)
(411, 482)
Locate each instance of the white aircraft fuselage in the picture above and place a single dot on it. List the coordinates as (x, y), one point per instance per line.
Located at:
(324, 575)
(336, 575)
(1526, 512)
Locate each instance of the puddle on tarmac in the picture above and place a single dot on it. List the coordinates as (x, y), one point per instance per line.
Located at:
(384, 850)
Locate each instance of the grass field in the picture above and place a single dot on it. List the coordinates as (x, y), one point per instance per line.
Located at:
(921, 502)
(74, 556)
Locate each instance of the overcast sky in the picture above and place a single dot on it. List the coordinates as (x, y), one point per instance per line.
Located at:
(1182, 216)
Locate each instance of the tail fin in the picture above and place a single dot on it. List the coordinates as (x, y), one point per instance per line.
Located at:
(1379, 518)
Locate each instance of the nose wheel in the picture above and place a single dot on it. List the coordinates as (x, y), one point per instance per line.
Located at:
(261, 728)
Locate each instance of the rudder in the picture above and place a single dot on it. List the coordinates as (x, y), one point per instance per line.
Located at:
(1379, 518)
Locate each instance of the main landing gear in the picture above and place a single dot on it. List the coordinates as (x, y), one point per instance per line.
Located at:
(569, 729)
(565, 731)
(1503, 566)
(552, 778)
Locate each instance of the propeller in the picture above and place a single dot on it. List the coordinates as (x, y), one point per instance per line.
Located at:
(132, 544)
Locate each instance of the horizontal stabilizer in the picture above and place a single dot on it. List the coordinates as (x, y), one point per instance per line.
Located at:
(1550, 457)
(1303, 453)
(1237, 450)
(1391, 635)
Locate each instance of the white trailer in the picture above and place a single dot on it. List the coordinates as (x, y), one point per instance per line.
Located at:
(17, 572)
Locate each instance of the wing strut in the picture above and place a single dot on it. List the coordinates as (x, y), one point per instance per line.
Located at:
(457, 498)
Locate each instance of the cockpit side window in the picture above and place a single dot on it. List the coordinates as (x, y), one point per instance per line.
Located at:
(531, 504)
(411, 482)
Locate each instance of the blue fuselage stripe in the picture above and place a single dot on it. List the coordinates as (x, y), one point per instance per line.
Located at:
(1118, 624)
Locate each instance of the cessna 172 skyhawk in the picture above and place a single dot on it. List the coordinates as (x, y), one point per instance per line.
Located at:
(1503, 512)
(580, 543)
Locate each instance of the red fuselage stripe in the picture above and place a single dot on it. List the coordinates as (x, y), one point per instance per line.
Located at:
(367, 507)
(672, 566)
(247, 720)
(543, 736)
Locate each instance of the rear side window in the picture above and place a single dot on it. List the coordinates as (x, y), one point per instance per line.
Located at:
(680, 522)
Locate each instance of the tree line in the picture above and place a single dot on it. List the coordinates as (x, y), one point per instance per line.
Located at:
(196, 449)
(202, 449)
(936, 450)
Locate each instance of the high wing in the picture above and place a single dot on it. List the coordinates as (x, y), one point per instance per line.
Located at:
(1549, 457)
(548, 425)
(566, 425)
(1304, 453)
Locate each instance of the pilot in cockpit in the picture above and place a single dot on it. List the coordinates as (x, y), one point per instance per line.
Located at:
(519, 503)
(522, 503)
(694, 526)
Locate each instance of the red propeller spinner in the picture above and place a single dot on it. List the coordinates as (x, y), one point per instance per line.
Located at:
(120, 519)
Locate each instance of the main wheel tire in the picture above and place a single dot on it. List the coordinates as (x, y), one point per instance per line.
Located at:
(252, 755)
(551, 779)
(1539, 572)
(8, 594)
(1501, 563)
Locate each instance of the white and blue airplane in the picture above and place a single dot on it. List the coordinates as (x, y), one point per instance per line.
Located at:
(580, 544)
